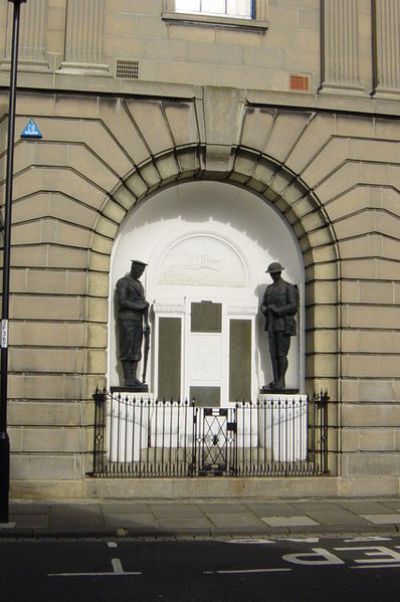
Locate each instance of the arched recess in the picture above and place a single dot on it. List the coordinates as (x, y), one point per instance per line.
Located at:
(277, 186)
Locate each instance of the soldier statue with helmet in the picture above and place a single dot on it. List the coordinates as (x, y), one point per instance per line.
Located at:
(279, 305)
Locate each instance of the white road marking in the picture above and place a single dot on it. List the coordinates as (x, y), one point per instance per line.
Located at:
(239, 571)
(367, 539)
(301, 540)
(118, 571)
(112, 544)
(376, 566)
(251, 541)
(117, 566)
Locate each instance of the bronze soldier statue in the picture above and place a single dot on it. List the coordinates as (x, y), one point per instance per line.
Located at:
(133, 322)
(279, 305)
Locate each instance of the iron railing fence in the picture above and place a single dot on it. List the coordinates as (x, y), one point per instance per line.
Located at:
(136, 437)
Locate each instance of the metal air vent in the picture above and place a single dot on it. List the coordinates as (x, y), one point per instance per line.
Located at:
(126, 69)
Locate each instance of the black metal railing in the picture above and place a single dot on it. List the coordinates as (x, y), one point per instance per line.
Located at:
(136, 437)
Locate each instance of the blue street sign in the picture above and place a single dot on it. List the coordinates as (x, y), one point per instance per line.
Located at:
(31, 130)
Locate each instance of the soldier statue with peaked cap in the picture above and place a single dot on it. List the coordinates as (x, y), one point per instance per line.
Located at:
(133, 310)
(279, 305)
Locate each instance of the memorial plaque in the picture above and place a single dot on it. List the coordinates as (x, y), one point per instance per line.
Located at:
(206, 317)
(169, 358)
(205, 396)
(239, 360)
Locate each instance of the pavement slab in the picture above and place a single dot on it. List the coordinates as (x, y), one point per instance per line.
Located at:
(363, 506)
(220, 519)
(383, 519)
(337, 516)
(272, 509)
(130, 520)
(30, 521)
(221, 507)
(124, 507)
(175, 511)
(290, 521)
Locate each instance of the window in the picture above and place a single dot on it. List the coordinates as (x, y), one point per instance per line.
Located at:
(242, 9)
(238, 14)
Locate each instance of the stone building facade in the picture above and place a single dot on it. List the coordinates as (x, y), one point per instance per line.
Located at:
(293, 106)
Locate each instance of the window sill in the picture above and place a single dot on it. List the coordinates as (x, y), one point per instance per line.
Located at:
(215, 21)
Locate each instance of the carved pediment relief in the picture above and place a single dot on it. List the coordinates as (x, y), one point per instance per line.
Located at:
(202, 260)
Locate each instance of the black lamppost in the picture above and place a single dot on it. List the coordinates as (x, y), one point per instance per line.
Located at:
(4, 440)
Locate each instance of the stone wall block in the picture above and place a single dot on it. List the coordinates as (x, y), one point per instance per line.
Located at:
(189, 161)
(150, 120)
(46, 360)
(367, 415)
(98, 284)
(102, 244)
(341, 180)
(58, 440)
(168, 168)
(365, 268)
(97, 335)
(257, 125)
(372, 366)
(96, 361)
(374, 464)
(97, 309)
(328, 160)
(283, 136)
(91, 167)
(136, 185)
(365, 316)
(325, 292)
(47, 467)
(62, 257)
(181, 117)
(124, 197)
(323, 316)
(319, 255)
(322, 341)
(118, 119)
(223, 117)
(150, 175)
(38, 307)
(106, 228)
(350, 202)
(322, 271)
(355, 341)
(55, 334)
(321, 365)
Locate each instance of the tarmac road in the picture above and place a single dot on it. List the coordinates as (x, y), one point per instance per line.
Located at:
(311, 569)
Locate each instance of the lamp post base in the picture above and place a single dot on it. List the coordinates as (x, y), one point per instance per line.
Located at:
(4, 476)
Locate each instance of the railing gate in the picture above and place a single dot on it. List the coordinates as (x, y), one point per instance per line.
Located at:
(216, 441)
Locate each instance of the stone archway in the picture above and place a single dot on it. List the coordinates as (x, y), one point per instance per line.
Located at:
(277, 185)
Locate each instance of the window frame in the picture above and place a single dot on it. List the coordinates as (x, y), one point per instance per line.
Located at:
(257, 22)
(223, 14)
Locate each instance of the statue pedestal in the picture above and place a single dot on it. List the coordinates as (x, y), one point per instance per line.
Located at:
(283, 422)
(268, 391)
(128, 390)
